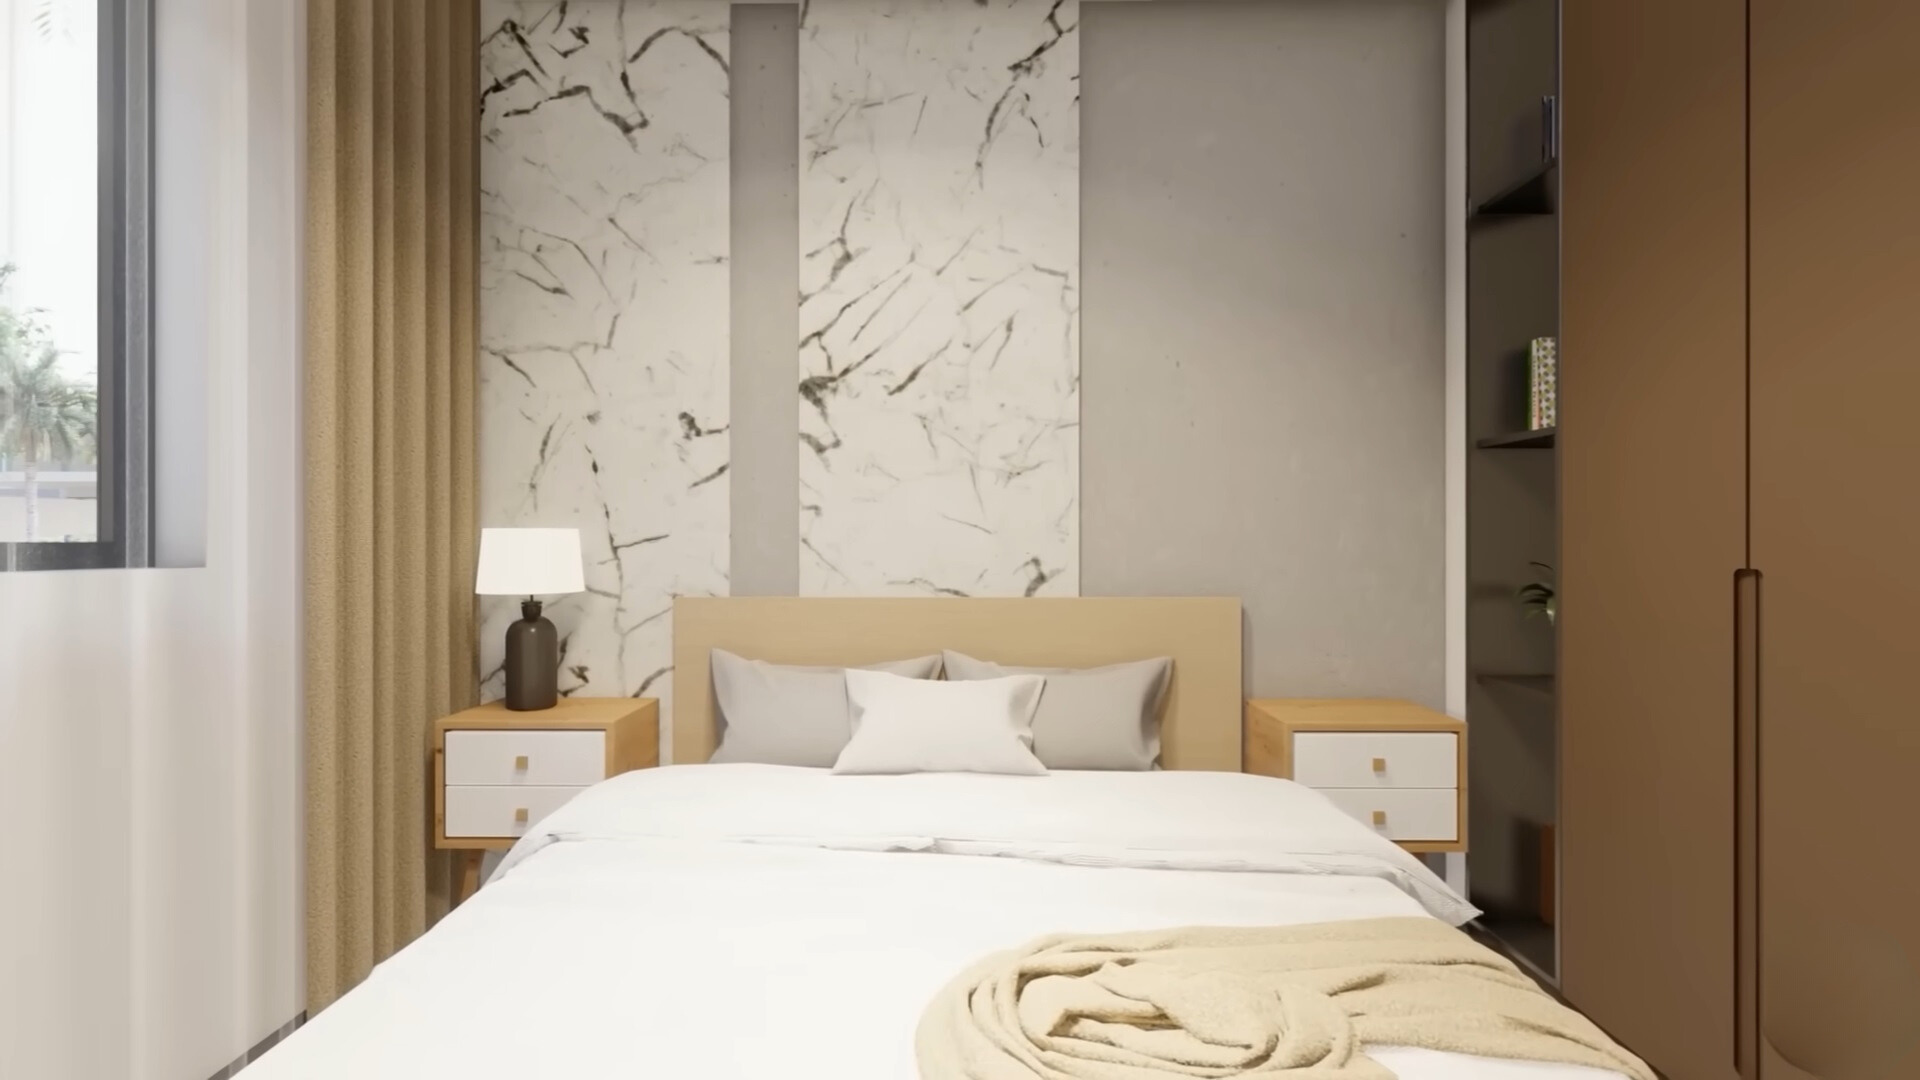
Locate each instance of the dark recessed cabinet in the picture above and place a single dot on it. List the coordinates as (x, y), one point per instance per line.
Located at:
(1513, 60)
(1513, 297)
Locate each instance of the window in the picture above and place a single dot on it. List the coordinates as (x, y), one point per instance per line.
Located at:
(75, 265)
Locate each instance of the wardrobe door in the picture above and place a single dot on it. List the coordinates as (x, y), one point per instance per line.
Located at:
(1652, 449)
(1836, 533)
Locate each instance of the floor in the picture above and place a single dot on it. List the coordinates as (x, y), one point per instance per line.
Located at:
(1530, 941)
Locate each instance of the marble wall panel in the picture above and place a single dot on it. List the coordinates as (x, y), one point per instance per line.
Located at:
(605, 315)
(940, 297)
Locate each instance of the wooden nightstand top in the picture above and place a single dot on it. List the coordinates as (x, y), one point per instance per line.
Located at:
(1349, 714)
(571, 714)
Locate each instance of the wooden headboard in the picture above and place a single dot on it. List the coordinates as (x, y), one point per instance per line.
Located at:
(1201, 729)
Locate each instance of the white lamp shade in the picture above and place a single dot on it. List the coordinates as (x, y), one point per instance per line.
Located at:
(530, 562)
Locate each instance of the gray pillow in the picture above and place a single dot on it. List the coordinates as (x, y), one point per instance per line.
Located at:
(775, 714)
(1094, 718)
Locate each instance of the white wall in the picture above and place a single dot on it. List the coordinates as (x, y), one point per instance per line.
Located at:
(149, 720)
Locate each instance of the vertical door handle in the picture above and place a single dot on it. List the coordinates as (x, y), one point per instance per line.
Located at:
(1746, 822)
(1549, 128)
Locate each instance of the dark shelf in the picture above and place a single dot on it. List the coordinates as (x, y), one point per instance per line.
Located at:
(1541, 683)
(1531, 196)
(1521, 440)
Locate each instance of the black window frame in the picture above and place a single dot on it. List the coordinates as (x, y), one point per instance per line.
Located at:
(125, 376)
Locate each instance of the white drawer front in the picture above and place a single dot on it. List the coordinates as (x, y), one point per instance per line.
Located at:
(1347, 759)
(496, 811)
(1403, 814)
(553, 758)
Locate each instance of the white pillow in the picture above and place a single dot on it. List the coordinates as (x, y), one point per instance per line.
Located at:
(780, 714)
(1093, 718)
(913, 725)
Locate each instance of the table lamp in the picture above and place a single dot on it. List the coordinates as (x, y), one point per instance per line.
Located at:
(531, 563)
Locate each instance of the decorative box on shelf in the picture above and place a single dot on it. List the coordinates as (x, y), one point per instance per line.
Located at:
(1543, 373)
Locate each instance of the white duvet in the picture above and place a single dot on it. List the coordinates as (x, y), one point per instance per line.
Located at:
(727, 922)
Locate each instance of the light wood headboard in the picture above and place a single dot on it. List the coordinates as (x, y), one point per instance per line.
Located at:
(1201, 729)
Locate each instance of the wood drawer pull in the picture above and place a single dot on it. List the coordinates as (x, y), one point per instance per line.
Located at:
(520, 763)
(1379, 764)
(520, 816)
(1379, 817)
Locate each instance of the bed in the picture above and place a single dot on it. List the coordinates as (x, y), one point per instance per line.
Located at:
(747, 920)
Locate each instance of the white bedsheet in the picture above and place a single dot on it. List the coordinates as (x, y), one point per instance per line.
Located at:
(723, 922)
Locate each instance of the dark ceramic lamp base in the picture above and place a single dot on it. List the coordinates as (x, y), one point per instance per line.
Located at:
(532, 661)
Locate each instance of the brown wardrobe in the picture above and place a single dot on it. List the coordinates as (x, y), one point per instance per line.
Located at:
(1740, 569)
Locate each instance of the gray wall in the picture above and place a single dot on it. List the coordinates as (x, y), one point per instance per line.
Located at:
(1264, 360)
(766, 279)
(1263, 323)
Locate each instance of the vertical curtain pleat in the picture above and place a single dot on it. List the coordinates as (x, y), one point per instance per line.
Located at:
(463, 215)
(436, 401)
(321, 412)
(408, 599)
(381, 481)
(353, 612)
(391, 529)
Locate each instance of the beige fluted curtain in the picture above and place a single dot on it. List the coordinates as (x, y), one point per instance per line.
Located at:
(393, 189)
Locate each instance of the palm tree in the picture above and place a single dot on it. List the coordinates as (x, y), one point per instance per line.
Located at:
(52, 19)
(44, 415)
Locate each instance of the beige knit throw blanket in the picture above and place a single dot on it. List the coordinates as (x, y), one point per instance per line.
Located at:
(1300, 1001)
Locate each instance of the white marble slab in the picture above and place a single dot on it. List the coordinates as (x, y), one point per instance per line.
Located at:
(604, 315)
(940, 297)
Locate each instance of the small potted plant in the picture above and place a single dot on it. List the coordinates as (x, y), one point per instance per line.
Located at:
(1539, 597)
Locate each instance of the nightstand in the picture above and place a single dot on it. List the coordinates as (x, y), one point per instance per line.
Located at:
(1393, 765)
(496, 773)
